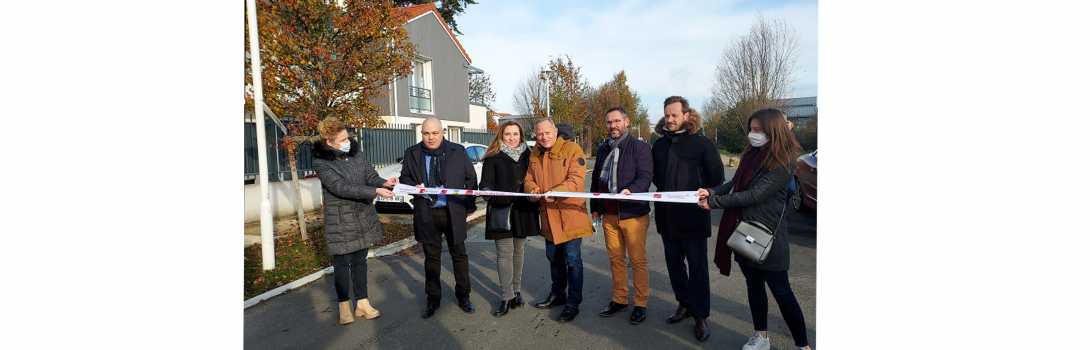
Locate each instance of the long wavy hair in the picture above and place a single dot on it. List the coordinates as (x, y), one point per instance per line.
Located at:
(494, 146)
(783, 145)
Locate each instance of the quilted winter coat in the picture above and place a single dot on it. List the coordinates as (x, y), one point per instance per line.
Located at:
(348, 193)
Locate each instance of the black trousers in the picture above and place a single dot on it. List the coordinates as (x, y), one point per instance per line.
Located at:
(433, 253)
(785, 298)
(690, 283)
(350, 269)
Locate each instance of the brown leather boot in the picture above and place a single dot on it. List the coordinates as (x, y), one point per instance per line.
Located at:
(346, 312)
(364, 309)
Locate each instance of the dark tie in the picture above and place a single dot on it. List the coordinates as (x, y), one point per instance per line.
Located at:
(433, 172)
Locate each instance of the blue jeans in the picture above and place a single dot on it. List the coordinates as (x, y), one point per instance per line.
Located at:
(690, 284)
(566, 263)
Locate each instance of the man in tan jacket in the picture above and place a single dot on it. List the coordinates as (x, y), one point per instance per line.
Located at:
(560, 165)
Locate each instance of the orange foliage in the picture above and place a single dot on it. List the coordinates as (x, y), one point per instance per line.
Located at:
(319, 59)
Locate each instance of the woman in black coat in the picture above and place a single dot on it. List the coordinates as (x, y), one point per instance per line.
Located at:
(505, 164)
(758, 193)
(349, 187)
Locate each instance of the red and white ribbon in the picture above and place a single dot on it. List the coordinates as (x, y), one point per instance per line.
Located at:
(673, 197)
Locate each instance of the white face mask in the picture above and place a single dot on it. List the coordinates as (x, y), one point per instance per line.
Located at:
(346, 146)
(757, 140)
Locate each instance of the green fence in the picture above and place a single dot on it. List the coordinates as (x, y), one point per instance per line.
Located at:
(483, 137)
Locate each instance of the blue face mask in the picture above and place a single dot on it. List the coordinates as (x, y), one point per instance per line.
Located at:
(346, 146)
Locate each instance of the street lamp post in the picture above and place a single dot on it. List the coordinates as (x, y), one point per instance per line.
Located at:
(268, 254)
(548, 82)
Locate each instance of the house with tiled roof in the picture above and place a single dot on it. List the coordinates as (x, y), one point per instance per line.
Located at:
(439, 84)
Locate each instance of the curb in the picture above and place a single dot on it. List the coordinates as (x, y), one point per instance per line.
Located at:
(385, 250)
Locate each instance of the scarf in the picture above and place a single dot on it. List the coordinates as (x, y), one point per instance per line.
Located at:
(435, 168)
(747, 167)
(609, 176)
(676, 136)
(514, 153)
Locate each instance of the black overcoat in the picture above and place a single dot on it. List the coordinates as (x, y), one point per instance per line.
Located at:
(501, 173)
(459, 174)
(686, 161)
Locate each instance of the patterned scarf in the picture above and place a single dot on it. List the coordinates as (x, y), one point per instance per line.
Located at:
(609, 176)
(514, 153)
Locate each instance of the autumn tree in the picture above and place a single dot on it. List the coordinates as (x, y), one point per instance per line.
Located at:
(616, 92)
(568, 91)
(321, 59)
(491, 123)
(326, 59)
(754, 72)
(447, 9)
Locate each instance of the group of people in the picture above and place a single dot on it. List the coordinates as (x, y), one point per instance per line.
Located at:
(683, 159)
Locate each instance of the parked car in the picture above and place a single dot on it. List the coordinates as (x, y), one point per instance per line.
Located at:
(403, 202)
(805, 197)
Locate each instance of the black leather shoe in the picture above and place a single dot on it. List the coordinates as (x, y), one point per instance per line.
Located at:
(518, 300)
(701, 330)
(504, 307)
(513, 303)
(550, 301)
(638, 315)
(430, 308)
(681, 314)
(465, 304)
(568, 314)
(613, 309)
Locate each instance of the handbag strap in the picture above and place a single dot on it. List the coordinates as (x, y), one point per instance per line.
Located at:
(778, 222)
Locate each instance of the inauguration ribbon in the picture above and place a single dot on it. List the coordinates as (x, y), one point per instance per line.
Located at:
(673, 197)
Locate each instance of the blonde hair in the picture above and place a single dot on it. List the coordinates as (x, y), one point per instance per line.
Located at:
(329, 127)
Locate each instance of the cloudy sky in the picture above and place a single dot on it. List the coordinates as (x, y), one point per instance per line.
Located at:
(665, 47)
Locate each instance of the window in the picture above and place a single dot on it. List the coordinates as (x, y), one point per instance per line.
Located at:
(454, 134)
(420, 87)
(473, 153)
(480, 152)
(476, 152)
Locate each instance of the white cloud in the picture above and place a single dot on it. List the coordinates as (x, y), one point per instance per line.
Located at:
(665, 48)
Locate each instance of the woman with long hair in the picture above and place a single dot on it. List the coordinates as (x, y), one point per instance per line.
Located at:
(505, 164)
(349, 187)
(757, 193)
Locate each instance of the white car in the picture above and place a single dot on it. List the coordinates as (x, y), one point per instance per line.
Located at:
(404, 201)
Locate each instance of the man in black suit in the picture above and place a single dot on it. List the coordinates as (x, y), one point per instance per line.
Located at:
(438, 163)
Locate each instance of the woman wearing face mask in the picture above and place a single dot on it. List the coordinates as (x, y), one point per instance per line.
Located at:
(349, 187)
(758, 192)
(505, 164)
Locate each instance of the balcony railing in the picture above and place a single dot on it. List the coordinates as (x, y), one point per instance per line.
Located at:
(420, 99)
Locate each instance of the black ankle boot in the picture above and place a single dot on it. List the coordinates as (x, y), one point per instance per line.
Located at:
(504, 307)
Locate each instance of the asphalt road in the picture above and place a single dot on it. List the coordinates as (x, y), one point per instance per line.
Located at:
(307, 317)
